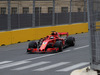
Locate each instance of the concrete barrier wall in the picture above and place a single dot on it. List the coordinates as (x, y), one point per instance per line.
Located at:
(5, 38)
(15, 36)
(98, 25)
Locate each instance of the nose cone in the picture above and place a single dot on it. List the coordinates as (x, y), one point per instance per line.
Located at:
(43, 46)
(42, 50)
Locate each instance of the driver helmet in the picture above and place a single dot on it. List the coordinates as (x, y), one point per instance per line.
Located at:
(54, 33)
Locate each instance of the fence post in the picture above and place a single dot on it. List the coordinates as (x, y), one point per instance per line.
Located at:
(84, 10)
(9, 16)
(89, 23)
(70, 14)
(33, 15)
(53, 15)
(39, 15)
(18, 15)
(93, 32)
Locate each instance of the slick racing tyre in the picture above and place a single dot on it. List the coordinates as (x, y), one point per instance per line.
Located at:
(70, 41)
(59, 45)
(32, 44)
(49, 46)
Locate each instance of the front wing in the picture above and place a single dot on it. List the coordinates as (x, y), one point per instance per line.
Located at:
(35, 50)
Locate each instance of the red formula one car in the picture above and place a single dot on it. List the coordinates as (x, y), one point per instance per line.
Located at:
(51, 43)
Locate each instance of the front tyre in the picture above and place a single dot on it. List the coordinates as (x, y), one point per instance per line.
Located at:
(59, 45)
(32, 44)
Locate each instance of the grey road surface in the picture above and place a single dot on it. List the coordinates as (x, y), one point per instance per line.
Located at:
(15, 61)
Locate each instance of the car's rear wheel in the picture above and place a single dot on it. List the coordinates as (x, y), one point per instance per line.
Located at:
(70, 41)
(59, 45)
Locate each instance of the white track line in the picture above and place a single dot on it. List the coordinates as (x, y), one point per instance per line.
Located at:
(13, 64)
(73, 67)
(51, 66)
(45, 56)
(31, 65)
(67, 51)
(39, 57)
(81, 47)
(4, 62)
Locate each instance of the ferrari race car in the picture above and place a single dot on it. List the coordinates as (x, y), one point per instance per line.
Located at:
(55, 42)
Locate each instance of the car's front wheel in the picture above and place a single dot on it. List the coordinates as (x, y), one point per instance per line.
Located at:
(59, 45)
(32, 44)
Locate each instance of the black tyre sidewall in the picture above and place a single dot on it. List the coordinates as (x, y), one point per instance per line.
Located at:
(32, 44)
(70, 41)
(58, 44)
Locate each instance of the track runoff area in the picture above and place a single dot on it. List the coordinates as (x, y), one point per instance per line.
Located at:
(15, 61)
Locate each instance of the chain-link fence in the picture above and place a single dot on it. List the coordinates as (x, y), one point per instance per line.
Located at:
(16, 14)
(94, 29)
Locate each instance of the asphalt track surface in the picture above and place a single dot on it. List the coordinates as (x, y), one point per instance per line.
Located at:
(15, 61)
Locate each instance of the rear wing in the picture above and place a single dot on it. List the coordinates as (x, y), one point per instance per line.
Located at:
(63, 33)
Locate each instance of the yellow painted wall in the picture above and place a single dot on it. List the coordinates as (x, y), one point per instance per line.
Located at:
(12, 37)
(98, 25)
(5, 38)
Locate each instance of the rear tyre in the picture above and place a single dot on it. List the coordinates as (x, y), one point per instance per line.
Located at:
(59, 45)
(70, 41)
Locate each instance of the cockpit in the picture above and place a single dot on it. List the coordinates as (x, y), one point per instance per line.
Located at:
(52, 37)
